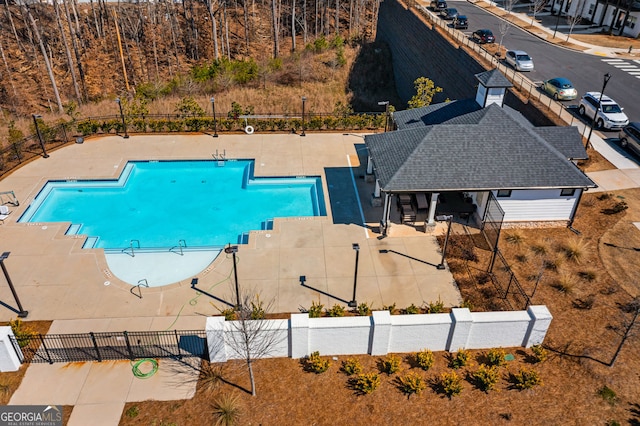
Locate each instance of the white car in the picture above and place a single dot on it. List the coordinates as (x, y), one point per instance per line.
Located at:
(610, 115)
(519, 60)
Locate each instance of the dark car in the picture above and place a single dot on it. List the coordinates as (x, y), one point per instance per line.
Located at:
(630, 137)
(449, 13)
(438, 5)
(460, 22)
(483, 36)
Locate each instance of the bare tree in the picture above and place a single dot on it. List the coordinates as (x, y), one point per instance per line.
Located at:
(575, 17)
(505, 22)
(67, 51)
(536, 7)
(251, 336)
(626, 327)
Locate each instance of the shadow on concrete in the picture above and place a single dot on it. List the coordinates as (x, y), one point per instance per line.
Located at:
(343, 197)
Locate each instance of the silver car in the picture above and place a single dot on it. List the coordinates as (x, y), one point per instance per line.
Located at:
(519, 60)
(560, 89)
(630, 137)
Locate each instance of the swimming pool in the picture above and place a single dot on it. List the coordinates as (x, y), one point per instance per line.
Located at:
(159, 208)
(164, 204)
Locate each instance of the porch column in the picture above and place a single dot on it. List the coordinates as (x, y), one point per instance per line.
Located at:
(432, 208)
(384, 223)
(376, 191)
(369, 165)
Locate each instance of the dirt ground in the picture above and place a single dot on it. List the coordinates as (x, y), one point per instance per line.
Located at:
(587, 296)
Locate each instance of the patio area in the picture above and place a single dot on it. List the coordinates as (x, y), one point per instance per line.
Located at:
(56, 279)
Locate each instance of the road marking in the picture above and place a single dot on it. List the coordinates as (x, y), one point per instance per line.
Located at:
(612, 60)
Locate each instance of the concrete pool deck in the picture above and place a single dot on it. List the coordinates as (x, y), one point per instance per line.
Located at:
(56, 279)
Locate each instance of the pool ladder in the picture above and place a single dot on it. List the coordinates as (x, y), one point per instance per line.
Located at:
(220, 157)
(141, 283)
(178, 249)
(131, 248)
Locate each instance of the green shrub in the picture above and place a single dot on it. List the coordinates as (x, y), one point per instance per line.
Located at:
(187, 106)
(608, 395)
(315, 311)
(320, 44)
(459, 359)
(390, 364)
(450, 384)
(365, 383)
(467, 304)
(229, 314)
(391, 308)
(495, 357)
(22, 332)
(132, 412)
(364, 309)
(486, 377)
(540, 354)
(411, 383)
(316, 364)
(425, 359)
(412, 309)
(526, 379)
(226, 409)
(257, 309)
(435, 307)
(336, 311)
(351, 366)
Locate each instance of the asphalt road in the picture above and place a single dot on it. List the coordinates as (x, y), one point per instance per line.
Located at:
(584, 70)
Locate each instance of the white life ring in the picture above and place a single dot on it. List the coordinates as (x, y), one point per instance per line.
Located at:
(249, 130)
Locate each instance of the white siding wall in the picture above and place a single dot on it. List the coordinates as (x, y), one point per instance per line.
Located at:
(537, 205)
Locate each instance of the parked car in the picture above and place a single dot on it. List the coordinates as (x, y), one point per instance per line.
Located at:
(449, 13)
(461, 22)
(438, 5)
(610, 115)
(630, 137)
(560, 89)
(483, 36)
(519, 59)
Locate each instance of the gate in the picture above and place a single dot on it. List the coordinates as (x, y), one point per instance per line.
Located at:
(507, 284)
(111, 346)
(492, 222)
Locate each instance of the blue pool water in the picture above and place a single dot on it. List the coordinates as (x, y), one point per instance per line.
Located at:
(163, 204)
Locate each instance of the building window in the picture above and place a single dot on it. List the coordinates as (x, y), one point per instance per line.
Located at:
(567, 192)
(504, 193)
(590, 12)
(631, 22)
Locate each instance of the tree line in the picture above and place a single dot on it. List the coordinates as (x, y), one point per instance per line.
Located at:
(64, 53)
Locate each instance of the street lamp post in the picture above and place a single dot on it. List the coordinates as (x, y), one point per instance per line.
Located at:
(215, 122)
(353, 302)
(304, 99)
(448, 219)
(233, 250)
(386, 114)
(35, 123)
(124, 123)
(607, 77)
(22, 313)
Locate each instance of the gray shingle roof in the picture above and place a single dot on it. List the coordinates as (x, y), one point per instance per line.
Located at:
(474, 153)
(567, 140)
(493, 78)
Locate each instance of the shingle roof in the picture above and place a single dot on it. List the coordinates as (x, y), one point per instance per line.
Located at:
(493, 78)
(474, 153)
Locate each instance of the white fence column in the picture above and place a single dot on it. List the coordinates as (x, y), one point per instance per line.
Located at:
(9, 360)
(460, 330)
(215, 339)
(540, 321)
(299, 335)
(381, 332)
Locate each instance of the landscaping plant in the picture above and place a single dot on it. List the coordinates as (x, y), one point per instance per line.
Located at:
(526, 379)
(424, 359)
(365, 383)
(351, 366)
(495, 357)
(391, 364)
(316, 364)
(450, 384)
(315, 311)
(459, 359)
(410, 384)
(486, 377)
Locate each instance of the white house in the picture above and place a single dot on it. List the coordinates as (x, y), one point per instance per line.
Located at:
(621, 16)
(478, 159)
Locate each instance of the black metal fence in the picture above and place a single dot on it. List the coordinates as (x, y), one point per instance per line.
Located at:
(492, 221)
(53, 136)
(507, 284)
(111, 346)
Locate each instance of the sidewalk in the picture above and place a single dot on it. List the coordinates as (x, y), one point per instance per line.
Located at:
(98, 391)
